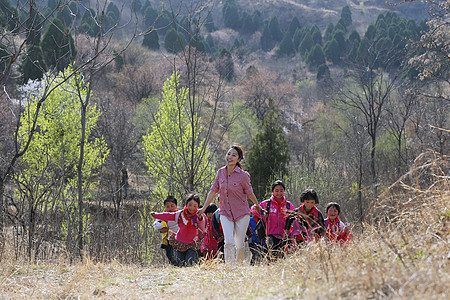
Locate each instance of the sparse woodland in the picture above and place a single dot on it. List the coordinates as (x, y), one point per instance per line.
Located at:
(107, 107)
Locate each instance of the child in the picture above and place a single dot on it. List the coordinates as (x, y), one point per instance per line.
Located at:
(209, 243)
(276, 214)
(170, 205)
(257, 247)
(186, 241)
(336, 230)
(308, 223)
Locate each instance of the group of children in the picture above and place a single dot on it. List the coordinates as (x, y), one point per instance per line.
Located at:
(273, 231)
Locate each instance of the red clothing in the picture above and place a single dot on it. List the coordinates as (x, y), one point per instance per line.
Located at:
(209, 243)
(233, 191)
(186, 234)
(335, 231)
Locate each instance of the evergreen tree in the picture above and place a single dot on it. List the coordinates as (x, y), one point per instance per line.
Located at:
(306, 44)
(270, 139)
(315, 57)
(33, 65)
(328, 32)
(266, 39)
(316, 35)
(173, 42)
(151, 40)
(58, 46)
(354, 36)
(286, 46)
(332, 51)
(339, 36)
(274, 28)
(88, 23)
(248, 26)
(297, 38)
(230, 12)
(346, 16)
(294, 25)
(323, 72)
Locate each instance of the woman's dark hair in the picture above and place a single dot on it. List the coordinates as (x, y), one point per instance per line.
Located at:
(192, 196)
(240, 152)
(211, 208)
(278, 182)
(335, 205)
(170, 198)
(309, 194)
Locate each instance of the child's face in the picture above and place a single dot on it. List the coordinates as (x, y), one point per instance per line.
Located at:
(332, 213)
(209, 215)
(309, 204)
(170, 207)
(192, 207)
(278, 191)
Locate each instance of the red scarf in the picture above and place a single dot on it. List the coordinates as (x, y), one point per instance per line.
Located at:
(282, 203)
(188, 218)
(332, 235)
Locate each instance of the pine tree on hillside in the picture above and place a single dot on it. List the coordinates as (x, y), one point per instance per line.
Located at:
(346, 16)
(332, 51)
(270, 139)
(294, 25)
(266, 39)
(274, 28)
(33, 65)
(306, 44)
(58, 46)
(173, 42)
(286, 46)
(315, 57)
(151, 40)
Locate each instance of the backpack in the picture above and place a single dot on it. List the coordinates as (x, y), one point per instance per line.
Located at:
(261, 225)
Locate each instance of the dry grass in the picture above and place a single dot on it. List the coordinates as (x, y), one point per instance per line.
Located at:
(405, 257)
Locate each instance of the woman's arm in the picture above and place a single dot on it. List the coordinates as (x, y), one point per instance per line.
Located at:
(255, 201)
(208, 201)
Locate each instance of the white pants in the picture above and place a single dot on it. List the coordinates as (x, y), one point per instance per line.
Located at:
(234, 237)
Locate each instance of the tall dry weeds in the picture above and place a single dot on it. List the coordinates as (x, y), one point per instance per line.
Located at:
(403, 253)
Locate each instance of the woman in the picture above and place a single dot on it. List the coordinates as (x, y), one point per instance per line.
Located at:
(232, 184)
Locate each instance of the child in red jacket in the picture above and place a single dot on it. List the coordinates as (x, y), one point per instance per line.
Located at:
(336, 230)
(186, 241)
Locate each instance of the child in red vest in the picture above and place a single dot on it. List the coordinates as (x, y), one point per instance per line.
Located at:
(336, 231)
(186, 241)
(307, 223)
(276, 208)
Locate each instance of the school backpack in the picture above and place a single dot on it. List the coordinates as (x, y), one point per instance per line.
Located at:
(261, 225)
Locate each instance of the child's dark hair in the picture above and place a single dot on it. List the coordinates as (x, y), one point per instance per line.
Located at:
(335, 205)
(241, 153)
(309, 194)
(211, 208)
(170, 198)
(278, 182)
(192, 196)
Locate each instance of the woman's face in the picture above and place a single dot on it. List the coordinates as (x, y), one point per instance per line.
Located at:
(232, 157)
(192, 206)
(332, 213)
